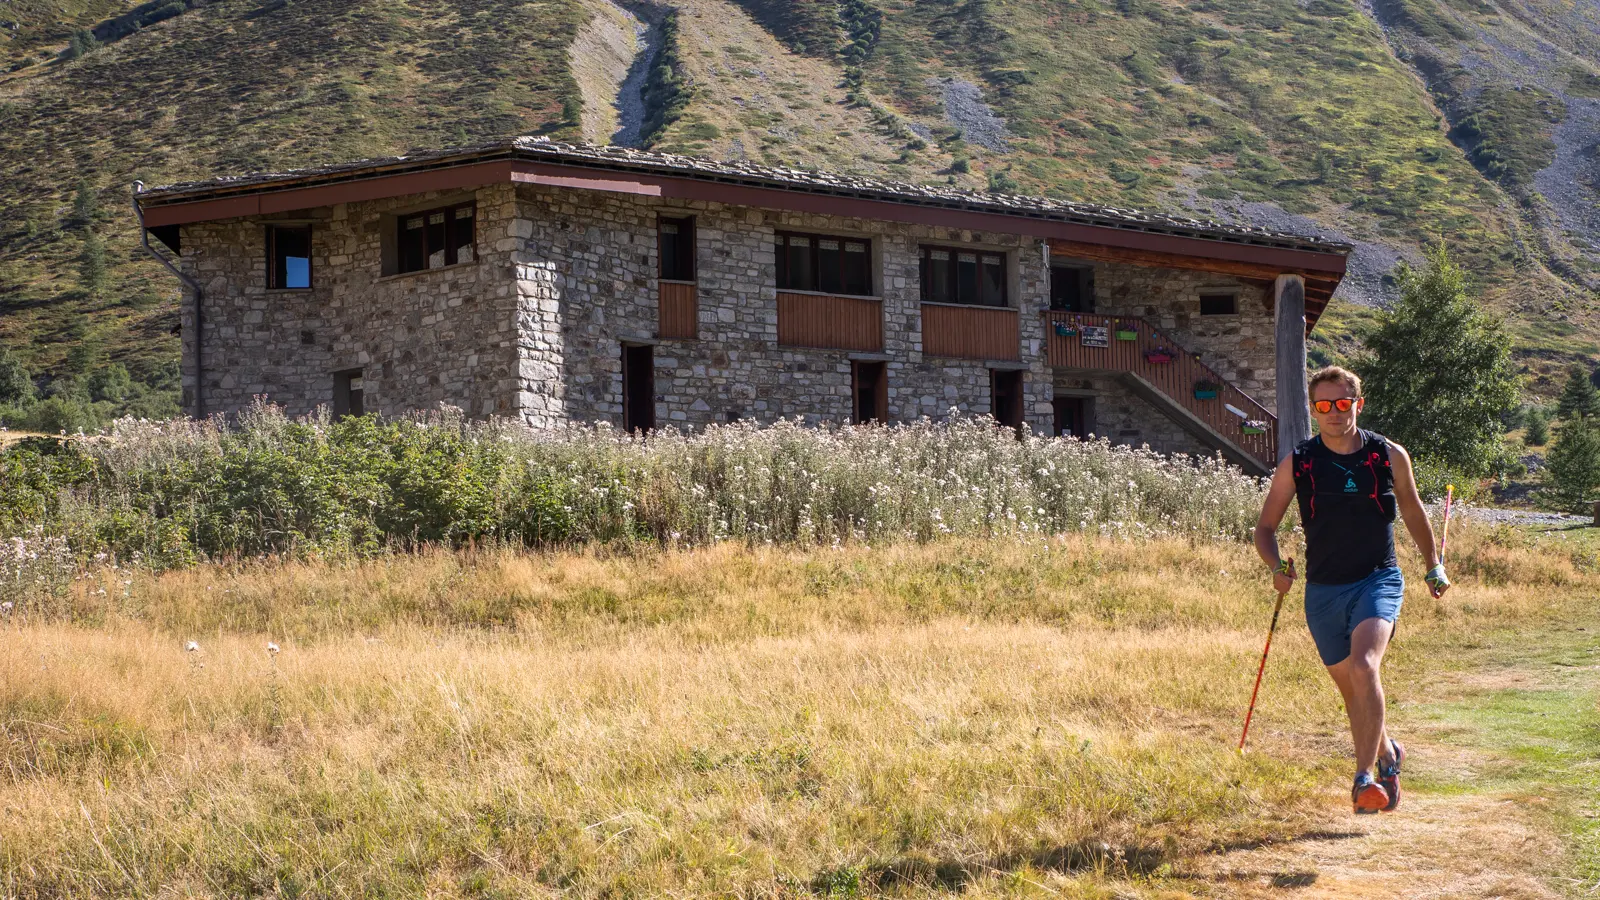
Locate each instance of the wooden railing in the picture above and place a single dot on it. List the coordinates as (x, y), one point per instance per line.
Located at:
(970, 332)
(678, 315)
(826, 320)
(1175, 379)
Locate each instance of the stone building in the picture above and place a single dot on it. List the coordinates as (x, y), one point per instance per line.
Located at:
(545, 281)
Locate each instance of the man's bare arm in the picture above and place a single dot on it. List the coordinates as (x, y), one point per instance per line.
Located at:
(1279, 495)
(1410, 502)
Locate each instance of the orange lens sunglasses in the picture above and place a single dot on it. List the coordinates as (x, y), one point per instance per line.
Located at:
(1342, 404)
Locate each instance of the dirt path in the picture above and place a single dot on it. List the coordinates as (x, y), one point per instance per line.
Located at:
(1500, 796)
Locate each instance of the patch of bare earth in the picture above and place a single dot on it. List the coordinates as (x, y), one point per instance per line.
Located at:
(601, 55)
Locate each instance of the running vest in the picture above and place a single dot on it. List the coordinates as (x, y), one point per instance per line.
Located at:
(1347, 507)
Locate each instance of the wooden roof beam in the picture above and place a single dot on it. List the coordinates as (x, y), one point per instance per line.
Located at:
(1158, 259)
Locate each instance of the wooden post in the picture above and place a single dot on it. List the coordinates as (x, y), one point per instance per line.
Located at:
(1294, 411)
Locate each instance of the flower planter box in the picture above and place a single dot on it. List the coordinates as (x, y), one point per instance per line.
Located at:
(1127, 335)
(1159, 356)
(1206, 389)
(1253, 426)
(1065, 330)
(1205, 394)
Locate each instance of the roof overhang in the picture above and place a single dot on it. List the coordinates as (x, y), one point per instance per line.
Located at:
(1080, 236)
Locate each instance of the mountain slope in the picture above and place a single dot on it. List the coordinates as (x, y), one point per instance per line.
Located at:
(1390, 127)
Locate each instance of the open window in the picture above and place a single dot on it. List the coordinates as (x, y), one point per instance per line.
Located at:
(1219, 303)
(1005, 389)
(1071, 416)
(956, 275)
(348, 394)
(676, 244)
(828, 264)
(638, 387)
(435, 238)
(1071, 288)
(869, 389)
(288, 257)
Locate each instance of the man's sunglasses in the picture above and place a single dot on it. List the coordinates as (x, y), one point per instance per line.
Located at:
(1342, 404)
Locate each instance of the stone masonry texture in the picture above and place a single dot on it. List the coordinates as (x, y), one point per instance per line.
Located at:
(533, 326)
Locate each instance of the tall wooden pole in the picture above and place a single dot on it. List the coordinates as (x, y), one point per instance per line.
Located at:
(1294, 412)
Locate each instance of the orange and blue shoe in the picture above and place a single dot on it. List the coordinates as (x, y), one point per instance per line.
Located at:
(1389, 775)
(1368, 796)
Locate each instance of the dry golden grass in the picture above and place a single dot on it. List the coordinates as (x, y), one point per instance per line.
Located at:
(999, 718)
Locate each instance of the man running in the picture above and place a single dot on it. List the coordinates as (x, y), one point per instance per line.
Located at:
(1348, 483)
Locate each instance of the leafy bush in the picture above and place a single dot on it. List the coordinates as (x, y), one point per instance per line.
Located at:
(169, 493)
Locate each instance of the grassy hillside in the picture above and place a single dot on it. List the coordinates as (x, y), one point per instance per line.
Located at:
(1293, 114)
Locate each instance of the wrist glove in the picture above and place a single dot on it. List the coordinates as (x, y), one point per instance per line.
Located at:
(1436, 579)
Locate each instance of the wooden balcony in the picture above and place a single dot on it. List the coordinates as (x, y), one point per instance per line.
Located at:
(970, 332)
(1173, 380)
(829, 321)
(678, 314)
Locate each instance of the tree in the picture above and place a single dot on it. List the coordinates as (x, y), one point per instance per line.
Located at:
(1538, 422)
(110, 384)
(1438, 373)
(82, 42)
(93, 273)
(1578, 398)
(1572, 468)
(85, 206)
(16, 385)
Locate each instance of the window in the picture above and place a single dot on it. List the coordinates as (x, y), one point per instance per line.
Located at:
(1072, 416)
(832, 265)
(638, 388)
(676, 238)
(435, 238)
(869, 388)
(288, 257)
(1219, 303)
(973, 277)
(348, 394)
(1072, 288)
(1005, 396)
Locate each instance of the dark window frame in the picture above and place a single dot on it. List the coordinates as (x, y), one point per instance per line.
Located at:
(277, 274)
(349, 393)
(1083, 286)
(638, 388)
(1010, 386)
(955, 295)
(674, 267)
(1231, 296)
(879, 372)
(451, 238)
(785, 282)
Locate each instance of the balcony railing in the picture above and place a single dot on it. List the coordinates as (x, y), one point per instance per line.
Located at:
(970, 332)
(678, 313)
(830, 321)
(1176, 378)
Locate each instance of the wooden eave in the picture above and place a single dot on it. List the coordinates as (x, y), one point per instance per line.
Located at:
(1077, 236)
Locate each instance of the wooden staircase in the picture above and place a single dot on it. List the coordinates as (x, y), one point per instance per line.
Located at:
(1169, 385)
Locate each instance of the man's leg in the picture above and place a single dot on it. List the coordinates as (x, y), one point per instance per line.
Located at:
(1360, 681)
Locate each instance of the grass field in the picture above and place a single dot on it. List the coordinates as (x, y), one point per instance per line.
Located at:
(995, 718)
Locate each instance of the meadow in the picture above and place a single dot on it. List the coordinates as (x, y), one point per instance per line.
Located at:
(1015, 707)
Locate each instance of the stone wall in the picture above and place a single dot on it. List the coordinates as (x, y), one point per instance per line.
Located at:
(423, 338)
(587, 272)
(533, 327)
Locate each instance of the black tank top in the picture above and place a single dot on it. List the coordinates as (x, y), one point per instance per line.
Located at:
(1347, 506)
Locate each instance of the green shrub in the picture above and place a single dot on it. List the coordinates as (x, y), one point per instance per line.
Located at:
(1572, 468)
(168, 493)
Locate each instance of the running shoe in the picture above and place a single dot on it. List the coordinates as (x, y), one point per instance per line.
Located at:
(1367, 795)
(1389, 775)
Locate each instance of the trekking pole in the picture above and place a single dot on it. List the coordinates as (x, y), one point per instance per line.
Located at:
(1262, 669)
(1444, 532)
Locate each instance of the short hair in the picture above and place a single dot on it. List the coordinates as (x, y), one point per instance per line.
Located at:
(1333, 373)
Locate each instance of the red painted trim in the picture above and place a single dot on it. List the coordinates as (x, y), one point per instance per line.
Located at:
(681, 188)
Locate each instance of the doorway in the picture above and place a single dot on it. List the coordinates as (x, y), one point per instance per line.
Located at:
(638, 387)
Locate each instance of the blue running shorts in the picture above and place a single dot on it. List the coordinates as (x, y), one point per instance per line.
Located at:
(1334, 610)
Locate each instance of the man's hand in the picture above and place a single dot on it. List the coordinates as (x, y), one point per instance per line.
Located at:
(1437, 582)
(1283, 576)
